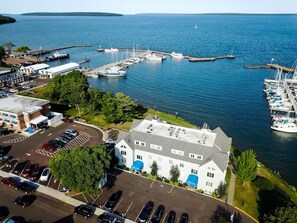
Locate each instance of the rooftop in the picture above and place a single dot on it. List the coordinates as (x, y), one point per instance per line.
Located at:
(38, 66)
(62, 67)
(197, 136)
(17, 104)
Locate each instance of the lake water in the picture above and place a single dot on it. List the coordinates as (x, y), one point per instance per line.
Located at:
(220, 93)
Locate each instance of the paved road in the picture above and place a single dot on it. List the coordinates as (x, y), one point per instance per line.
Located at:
(44, 209)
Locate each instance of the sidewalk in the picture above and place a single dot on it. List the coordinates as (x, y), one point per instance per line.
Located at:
(57, 195)
(231, 188)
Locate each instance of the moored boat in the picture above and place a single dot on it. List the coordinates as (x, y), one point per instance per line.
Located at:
(111, 50)
(155, 57)
(177, 55)
(284, 126)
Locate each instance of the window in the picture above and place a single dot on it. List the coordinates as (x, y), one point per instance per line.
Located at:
(123, 153)
(210, 174)
(122, 146)
(181, 165)
(139, 157)
(139, 143)
(194, 171)
(195, 156)
(177, 152)
(123, 161)
(157, 147)
(209, 184)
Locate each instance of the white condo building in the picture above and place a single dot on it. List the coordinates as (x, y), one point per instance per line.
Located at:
(201, 154)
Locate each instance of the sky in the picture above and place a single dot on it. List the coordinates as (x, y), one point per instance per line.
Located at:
(149, 6)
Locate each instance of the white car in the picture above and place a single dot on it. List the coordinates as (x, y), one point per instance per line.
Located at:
(45, 175)
(72, 132)
(13, 90)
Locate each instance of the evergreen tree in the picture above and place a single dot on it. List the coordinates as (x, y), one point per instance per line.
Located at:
(154, 168)
(283, 215)
(174, 173)
(246, 166)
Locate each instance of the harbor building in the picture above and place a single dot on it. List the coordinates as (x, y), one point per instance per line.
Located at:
(201, 155)
(10, 77)
(63, 69)
(34, 69)
(19, 112)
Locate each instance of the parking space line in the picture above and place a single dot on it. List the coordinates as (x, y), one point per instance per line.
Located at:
(92, 197)
(170, 190)
(124, 214)
(75, 194)
(49, 180)
(118, 204)
(151, 215)
(139, 213)
(164, 218)
(152, 184)
(50, 134)
(85, 198)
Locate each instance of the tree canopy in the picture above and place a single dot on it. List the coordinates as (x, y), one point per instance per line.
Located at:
(154, 168)
(6, 19)
(9, 46)
(2, 54)
(174, 173)
(22, 49)
(246, 166)
(81, 168)
(283, 215)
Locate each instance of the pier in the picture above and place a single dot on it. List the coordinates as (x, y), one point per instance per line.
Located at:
(271, 66)
(46, 51)
(143, 53)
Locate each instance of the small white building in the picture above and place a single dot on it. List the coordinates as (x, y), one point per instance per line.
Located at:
(63, 69)
(201, 155)
(34, 69)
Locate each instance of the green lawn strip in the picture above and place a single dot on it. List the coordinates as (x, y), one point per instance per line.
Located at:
(36, 92)
(287, 189)
(170, 118)
(246, 197)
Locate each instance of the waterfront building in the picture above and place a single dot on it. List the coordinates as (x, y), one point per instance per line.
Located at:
(10, 77)
(63, 69)
(201, 155)
(34, 69)
(19, 112)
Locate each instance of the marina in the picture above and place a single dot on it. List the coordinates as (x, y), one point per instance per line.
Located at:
(150, 55)
(281, 94)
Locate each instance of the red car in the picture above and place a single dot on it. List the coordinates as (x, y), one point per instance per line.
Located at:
(66, 120)
(30, 167)
(48, 147)
(9, 181)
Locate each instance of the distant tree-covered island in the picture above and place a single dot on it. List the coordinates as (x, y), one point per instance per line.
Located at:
(71, 14)
(6, 19)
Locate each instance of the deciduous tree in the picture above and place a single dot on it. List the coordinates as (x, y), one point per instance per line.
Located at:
(81, 168)
(246, 166)
(8, 46)
(283, 215)
(109, 107)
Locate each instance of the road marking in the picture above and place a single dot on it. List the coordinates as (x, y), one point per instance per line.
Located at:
(49, 134)
(75, 194)
(49, 181)
(171, 189)
(139, 213)
(85, 198)
(28, 154)
(152, 184)
(124, 214)
(151, 215)
(118, 204)
(111, 174)
(92, 197)
(164, 218)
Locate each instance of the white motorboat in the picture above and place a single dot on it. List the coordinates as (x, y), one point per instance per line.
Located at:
(284, 126)
(154, 57)
(114, 74)
(111, 50)
(177, 55)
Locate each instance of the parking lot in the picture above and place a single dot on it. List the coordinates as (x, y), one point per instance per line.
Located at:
(137, 190)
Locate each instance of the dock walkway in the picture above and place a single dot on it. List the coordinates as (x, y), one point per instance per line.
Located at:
(271, 66)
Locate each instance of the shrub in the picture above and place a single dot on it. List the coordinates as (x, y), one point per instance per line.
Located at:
(200, 191)
(214, 194)
(159, 178)
(127, 168)
(263, 184)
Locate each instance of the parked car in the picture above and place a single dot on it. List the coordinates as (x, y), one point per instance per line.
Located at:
(72, 132)
(12, 90)
(4, 212)
(4, 132)
(35, 173)
(4, 159)
(108, 218)
(20, 166)
(4, 150)
(66, 120)
(111, 140)
(25, 200)
(48, 147)
(84, 210)
(145, 213)
(29, 168)
(158, 214)
(15, 219)
(63, 140)
(10, 181)
(26, 187)
(184, 218)
(45, 175)
(114, 198)
(170, 217)
(10, 165)
(67, 136)
(55, 143)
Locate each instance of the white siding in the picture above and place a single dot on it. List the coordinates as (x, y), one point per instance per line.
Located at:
(127, 159)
